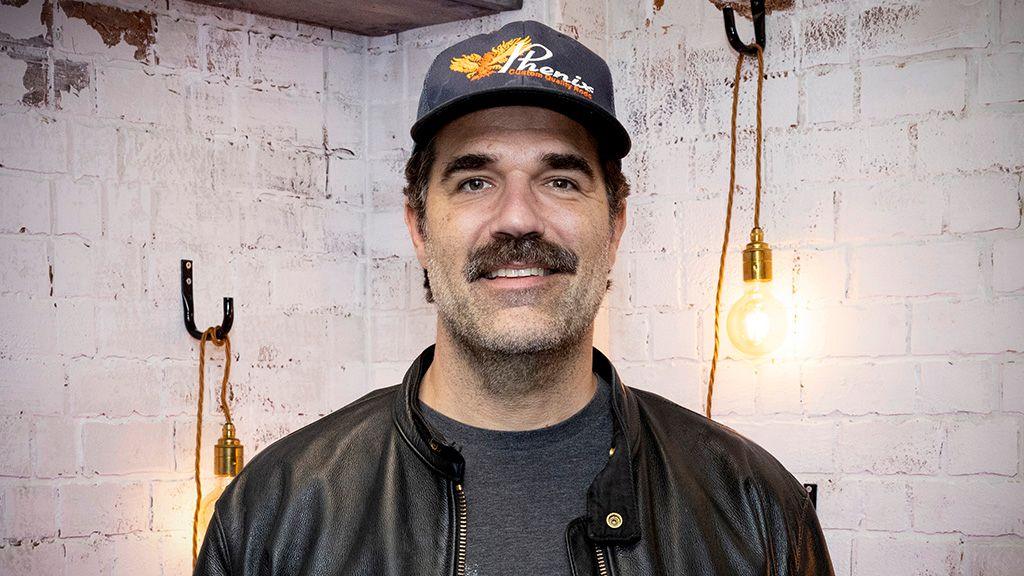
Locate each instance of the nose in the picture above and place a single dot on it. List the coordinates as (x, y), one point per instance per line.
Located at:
(518, 212)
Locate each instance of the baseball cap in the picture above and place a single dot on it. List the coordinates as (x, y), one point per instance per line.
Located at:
(524, 63)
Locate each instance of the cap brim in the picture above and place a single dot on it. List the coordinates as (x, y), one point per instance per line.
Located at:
(611, 135)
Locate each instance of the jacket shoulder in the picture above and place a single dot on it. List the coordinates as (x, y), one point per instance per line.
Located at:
(715, 448)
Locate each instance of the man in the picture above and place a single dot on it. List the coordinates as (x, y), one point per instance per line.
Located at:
(512, 446)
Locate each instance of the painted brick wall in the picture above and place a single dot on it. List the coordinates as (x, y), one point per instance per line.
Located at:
(271, 154)
(180, 132)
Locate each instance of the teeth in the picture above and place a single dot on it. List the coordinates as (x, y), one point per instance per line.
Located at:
(514, 273)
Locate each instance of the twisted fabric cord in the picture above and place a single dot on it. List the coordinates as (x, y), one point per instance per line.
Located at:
(732, 189)
(211, 334)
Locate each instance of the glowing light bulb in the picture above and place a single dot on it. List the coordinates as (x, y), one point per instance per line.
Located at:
(757, 322)
(212, 489)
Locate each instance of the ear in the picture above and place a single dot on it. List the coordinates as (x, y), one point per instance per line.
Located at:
(618, 227)
(414, 233)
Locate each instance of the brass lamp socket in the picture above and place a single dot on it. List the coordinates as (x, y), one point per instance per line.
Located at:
(228, 457)
(757, 258)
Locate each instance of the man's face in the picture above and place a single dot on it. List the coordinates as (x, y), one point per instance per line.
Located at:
(514, 190)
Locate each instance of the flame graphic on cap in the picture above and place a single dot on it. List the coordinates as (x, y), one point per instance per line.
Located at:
(475, 66)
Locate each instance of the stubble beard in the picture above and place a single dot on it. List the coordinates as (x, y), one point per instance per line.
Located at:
(513, 363)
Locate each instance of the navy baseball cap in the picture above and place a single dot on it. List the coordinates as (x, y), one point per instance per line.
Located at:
(522, 64)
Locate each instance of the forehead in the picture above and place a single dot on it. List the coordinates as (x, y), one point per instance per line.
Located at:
(515, 131)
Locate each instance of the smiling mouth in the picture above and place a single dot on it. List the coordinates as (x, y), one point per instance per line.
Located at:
(518, 273)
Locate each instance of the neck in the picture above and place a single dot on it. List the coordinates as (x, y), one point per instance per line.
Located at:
(508, 392)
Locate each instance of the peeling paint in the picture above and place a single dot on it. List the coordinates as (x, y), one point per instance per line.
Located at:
(69, 76)
(658, 4)
(742, 7)
(34, 80)
(885, 20)
(15, 3)
(115, 24)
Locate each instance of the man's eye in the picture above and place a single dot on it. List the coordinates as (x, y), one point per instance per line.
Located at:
(473, 185)
(563, 184)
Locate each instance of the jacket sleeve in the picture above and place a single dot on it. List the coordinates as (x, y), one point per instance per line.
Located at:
(213, 556)
(812, 558)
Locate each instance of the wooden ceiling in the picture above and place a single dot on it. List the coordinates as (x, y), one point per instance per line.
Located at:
(371, 17)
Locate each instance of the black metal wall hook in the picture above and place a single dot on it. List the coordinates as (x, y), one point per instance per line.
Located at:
(757, 15)
(189, 307)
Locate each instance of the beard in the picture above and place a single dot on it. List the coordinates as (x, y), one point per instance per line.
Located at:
(515, 354)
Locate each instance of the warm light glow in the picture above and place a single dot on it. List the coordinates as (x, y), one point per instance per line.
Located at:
(212, 489)
(757, 322)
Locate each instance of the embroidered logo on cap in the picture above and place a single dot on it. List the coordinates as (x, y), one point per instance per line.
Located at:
(501, 58)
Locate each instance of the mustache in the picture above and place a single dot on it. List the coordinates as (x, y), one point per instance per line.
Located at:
(531, 248)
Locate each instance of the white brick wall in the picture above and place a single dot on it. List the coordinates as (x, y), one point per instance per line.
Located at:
(271, 154)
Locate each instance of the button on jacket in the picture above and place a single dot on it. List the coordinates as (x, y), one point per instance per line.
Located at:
(373, 489)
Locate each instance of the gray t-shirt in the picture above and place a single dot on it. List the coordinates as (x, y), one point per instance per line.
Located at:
(522, 488)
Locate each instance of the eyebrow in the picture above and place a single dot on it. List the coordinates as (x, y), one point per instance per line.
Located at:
(466, 162)
(556, 161)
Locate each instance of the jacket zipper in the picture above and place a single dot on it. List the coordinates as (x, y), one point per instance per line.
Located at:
(602, 561)
(460, 551)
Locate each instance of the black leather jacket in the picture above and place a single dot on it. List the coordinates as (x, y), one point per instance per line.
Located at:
(372, 489)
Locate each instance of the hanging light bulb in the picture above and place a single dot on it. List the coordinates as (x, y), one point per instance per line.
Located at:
(757, 322)
(228, 459)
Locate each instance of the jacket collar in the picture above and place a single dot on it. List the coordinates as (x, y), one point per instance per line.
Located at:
(613, 490)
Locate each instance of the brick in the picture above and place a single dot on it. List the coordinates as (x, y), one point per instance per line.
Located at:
(104, 507)
(869, 329)
(14, 445)
(1000, 77)
(32, 558)
(93, 150)
(382, 332)
(830, 95)
(677, 380)
(1013, 386)
(387, 284)
(349, 382)
(55, 442)
(983, 446)
(909, 554)
(922, 26)
(25, 311)
(344, 126)
(113, 387)
(651, 227)
(630, 333)
(858, 389)
(840, 550)
(347, 334)
(779, 105)
(891, 90)
(793, 215)
(286, 62)
(915, 270)
(971, 506)
(839, 154)
(29, 511)
(894, 208)
(1011, 12)
(282, 116)
(957, 385)
(136, 95)
(35, 143)
(183, 159)
(318, 283)
(656, 281)
(980, 203)
(889, 446)
(996, 142)
(1001, 557)
(31, 385)
(82, 37)
(820, 275)
(177, 43)
(76, 326)
(825, 39)
(390, 130)
(1007, 273)
(346, 182)
(24, 204)
(869, 504)
(24, 268)
(391, 237)
(673, 334)
(966, 326)
(298, 171)
(77, 208)
(122, 448)
(226, 52)
(812, 454)
(21, 21)
(12, 74)
(735, 388)
(778, 388)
